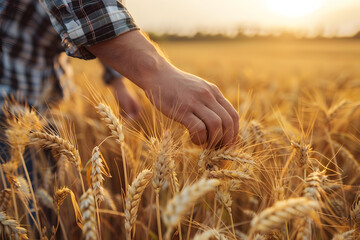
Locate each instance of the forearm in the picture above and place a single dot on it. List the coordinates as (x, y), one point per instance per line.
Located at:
(134, 56)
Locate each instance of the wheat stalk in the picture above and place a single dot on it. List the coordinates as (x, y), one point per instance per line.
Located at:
(133, 197)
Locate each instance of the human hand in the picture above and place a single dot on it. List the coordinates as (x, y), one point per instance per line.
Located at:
(127, 101)
(197, 104)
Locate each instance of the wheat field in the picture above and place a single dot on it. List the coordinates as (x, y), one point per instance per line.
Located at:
(292, 174)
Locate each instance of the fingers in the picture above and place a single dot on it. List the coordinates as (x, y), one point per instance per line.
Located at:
(227, 122)
(232, 113)
(196, 127)
(213, 123)
(216, 120)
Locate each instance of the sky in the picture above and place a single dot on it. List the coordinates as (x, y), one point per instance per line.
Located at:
(330, 17)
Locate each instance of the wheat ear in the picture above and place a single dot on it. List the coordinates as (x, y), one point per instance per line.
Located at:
(5, 196)
(315, 182)
(274, 217)
(44, 198)
(59, 198)
(182, 201)
(116, 129)
(58, 144)
(224, 197)
(164, 164)
(87, 208)
(349, 235)
(11, 227)
(301, 153)
(232, 155)
(230, 174)
(98, 168)
(133, 197)
(209, 234)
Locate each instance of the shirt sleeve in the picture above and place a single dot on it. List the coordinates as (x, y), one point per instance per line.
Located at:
(83, 23)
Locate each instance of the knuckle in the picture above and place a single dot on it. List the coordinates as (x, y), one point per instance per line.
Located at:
(228, 122)
(215, 88)
(215, 122)
(199, 129)
(205, 93)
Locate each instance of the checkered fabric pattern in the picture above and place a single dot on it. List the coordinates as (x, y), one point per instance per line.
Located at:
(30, 45)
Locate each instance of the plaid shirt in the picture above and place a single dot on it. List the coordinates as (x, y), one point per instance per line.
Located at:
(31, 68)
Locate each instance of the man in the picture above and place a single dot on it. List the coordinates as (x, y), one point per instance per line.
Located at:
(104, 29)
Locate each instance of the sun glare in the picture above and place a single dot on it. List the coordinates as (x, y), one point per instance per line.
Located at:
(294, 8)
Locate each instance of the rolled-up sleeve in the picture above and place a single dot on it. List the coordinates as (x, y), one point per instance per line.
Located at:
(83, 23)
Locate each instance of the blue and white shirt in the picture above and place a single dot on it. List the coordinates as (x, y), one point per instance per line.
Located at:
(33, 33)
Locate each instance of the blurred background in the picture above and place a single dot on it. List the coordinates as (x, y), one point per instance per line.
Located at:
(239, 44)
(303, 18)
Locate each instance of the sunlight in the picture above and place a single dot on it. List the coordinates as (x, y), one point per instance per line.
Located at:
(294, 8)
